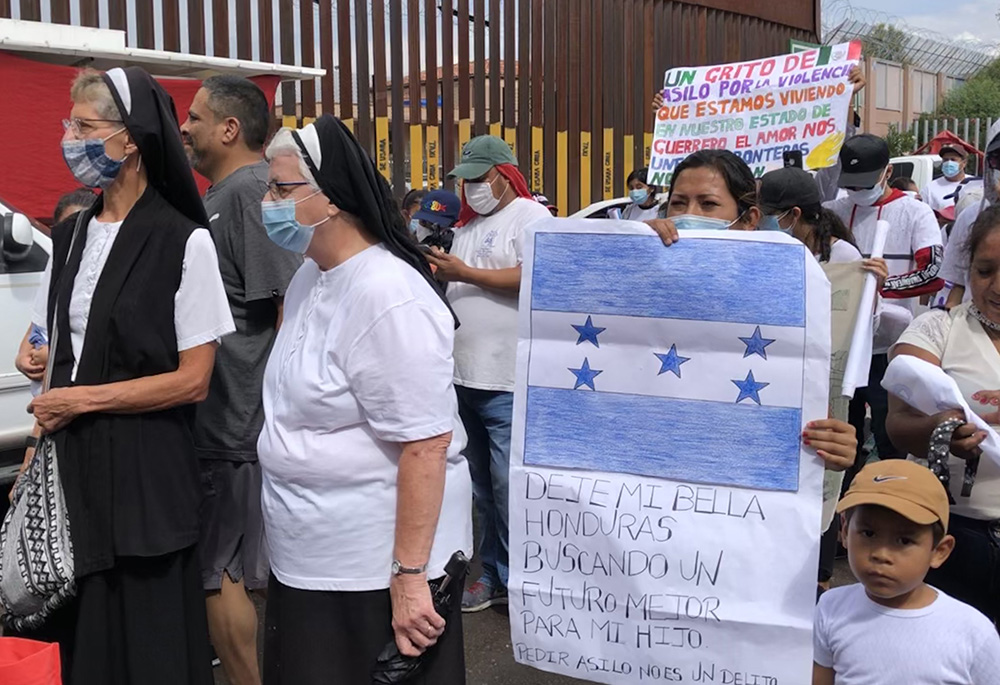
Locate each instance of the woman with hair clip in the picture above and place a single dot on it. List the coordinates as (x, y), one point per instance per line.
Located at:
(366, 494)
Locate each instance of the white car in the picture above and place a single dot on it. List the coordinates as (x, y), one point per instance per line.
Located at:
(599, 210)
(24, 252)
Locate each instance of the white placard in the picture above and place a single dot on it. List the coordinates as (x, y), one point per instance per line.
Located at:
(663, 512)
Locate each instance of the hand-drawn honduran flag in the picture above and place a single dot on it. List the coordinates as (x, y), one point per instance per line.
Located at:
(707, 337)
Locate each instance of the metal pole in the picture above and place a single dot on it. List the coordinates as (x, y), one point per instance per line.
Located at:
(926, 124)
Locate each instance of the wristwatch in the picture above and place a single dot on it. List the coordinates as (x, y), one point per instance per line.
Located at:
(30, 442)
(399, 570)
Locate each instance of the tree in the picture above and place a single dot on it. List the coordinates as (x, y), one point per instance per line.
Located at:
(885, 42)
(977, 98)
(901, 143)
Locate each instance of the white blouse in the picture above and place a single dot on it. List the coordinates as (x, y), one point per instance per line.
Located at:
(969, 357)
(201, 308)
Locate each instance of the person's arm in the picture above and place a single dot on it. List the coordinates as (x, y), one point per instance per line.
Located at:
(419, 492)
(452, 269)
(927, 255)
(24, 362)
(910, 429)
(955, 296)
(187, 385)
(29, 452)
(823, 675)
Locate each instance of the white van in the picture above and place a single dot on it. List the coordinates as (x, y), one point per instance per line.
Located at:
(24, 252)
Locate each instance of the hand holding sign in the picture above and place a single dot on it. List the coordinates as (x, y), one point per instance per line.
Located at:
(759, 109)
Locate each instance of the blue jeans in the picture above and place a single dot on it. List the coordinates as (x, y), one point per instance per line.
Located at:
(487, 416)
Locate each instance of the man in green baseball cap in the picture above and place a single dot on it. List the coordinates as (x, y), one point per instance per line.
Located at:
(484, 276)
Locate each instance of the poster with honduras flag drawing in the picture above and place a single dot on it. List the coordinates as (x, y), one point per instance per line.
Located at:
(664, 513)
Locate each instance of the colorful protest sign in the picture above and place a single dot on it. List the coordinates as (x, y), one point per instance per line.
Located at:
(759, 110)
(664, 515)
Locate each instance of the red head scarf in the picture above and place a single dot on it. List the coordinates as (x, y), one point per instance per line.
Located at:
(517, 182)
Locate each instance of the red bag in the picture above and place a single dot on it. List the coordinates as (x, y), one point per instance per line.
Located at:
(27, 662)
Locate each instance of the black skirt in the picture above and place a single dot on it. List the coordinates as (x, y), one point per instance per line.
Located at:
(141, 622)
(315, 637)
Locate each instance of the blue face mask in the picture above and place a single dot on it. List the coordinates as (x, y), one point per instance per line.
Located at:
(283, 228)
(414, 226)
(88, 162)
(770, 222)
(950, 168)
(685, 222)
(638, 195)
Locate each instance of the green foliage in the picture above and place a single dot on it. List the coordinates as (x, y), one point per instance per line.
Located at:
(900, 142)
(885, 42)
(977, 98)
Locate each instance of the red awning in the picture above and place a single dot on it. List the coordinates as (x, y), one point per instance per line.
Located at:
(943, 139)
(33, 174)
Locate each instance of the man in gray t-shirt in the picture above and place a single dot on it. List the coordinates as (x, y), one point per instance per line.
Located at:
(224, 134)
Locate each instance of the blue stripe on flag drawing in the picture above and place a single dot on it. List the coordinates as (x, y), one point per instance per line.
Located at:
(695, 441)
(735, 281)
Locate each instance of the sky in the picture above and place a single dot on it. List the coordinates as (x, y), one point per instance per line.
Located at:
(970, 19)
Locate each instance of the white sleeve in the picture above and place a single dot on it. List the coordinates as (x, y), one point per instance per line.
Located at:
(400, 370)
(955, 267)
(926, 231)
(40, 310)
(822, 654)
(201, 308)
(925, 195)
(929, 332)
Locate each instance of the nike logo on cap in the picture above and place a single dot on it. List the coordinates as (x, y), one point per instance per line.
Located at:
(884, 479)
(854, 161)
(214, 217)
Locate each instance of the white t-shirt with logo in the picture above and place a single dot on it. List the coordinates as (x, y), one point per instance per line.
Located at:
(486, 342)
(865, 643)
(969, 358)
(362, 363)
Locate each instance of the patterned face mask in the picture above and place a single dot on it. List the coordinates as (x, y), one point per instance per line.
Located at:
(89, 163)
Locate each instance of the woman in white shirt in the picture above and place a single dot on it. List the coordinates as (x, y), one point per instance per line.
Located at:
(136, 307)
(644, 203)
(365, 492)
(965, 343)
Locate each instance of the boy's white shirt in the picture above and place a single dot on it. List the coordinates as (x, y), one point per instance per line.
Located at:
(866, 643)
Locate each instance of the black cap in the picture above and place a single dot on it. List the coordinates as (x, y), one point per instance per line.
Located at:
(862, 161)
(785, 188)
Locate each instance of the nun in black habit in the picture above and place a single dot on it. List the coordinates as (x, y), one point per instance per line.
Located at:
(139, 307)
(365, 494)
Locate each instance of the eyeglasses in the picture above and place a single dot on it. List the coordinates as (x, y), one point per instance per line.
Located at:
(283, 189)
(993, 160)
(82, 127)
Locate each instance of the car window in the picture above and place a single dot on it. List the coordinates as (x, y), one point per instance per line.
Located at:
(602, 213)
(902, 170)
